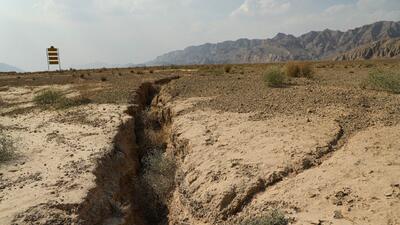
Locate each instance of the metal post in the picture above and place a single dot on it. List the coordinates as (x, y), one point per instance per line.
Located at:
(59, 58)
(48, 63)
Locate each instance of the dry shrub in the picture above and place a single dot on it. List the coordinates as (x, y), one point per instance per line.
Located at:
(227, 68)
(55, 99)
(159, 174)
(274, 77)
(2, 103)
(48, 97)
(274, 217)
(292, 69)
(299, 70)
(7, 148)
(211, 70)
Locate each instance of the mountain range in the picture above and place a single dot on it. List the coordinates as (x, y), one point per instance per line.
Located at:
(8, 68)
(380, 39)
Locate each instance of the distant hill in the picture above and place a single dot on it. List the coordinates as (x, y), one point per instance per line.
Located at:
(99, 65)
(376, 50)
(313, 45)
(95, 65)
(8, 68)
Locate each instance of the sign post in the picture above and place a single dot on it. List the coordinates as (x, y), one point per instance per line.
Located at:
(53, 57)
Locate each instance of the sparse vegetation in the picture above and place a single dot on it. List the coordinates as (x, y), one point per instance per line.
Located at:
(369, 65)
(227, 68)
(103, 79)
(7, 148)
(159, 173)
(383, 80)
(299, 70)
(274, 217)
(55, 99)
(48, 98)
(2, 103)
(274, 77)
(212, 70)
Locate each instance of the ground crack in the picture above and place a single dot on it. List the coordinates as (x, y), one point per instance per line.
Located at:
(311, 161)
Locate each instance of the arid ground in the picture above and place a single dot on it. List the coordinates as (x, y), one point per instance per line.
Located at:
(200, 145)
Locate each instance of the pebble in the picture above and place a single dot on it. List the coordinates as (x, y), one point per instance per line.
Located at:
(337, 215)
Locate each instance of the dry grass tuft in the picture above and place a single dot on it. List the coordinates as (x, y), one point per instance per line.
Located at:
(227, 68)
(55, 99)
(274, 217)
(2, 103)
(7, 148)
(294, 69)
(159, 174)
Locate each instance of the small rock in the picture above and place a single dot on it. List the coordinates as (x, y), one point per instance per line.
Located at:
(393, 185)
(337, 215)
(313, 195)
(388, 194)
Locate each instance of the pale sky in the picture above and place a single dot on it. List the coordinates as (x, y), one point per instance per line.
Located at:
(136, 31)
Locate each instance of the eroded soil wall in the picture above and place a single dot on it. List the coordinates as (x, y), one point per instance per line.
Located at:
(119, 196)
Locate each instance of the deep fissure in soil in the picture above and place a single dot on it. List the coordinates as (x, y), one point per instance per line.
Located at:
(134, 179)
(155, 180)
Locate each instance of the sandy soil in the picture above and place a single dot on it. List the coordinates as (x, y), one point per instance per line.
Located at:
(322, 150)
(359, 184)
(57, 151)
(236, 168)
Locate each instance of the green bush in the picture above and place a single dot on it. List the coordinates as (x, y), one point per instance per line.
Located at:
(274, 217)
(7, 148)
(383, 80)
(274, 77)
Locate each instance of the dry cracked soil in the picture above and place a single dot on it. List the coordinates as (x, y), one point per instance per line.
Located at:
(197, 145)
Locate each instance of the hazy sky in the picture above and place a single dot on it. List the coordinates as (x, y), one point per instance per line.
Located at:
(136, 31)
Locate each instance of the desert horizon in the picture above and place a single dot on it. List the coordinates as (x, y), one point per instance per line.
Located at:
(142, 113)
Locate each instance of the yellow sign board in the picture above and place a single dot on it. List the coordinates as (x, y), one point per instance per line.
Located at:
(53, 57)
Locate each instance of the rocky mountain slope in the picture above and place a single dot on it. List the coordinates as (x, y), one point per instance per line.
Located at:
(310, 46)
(379, 49)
